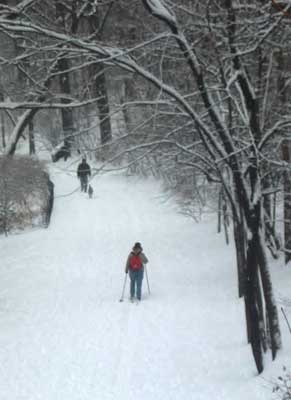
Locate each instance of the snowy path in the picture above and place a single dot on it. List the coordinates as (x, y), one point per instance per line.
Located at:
(65, 336)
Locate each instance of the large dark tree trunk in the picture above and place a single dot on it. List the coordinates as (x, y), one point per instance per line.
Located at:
(252, 305)
(240, 246)
(271, 308)
(257, 270)
(241, 261)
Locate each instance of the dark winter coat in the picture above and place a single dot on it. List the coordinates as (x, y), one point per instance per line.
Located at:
(136, 252)
(83, 170)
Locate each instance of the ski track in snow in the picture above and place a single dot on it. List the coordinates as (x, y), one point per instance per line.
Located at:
(65, 335)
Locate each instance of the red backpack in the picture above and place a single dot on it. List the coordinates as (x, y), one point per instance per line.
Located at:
(135, 263)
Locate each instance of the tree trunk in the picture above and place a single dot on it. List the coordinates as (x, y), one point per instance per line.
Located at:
(31, 138)
(18, 130)
(65, 86)
(274, 207)
(248, 319)
(256, 261)
(256, 258)
(219, 211)
(239, 238)
(287, 202)
(251, 304)
(272, 240)
(225, 222)
(67, 114)
(260, 303)
(3, 130)
(283, 68)
(102, 103)
(100, 85)
(271, 308)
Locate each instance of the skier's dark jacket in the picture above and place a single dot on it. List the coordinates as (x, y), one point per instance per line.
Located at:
(83, 170)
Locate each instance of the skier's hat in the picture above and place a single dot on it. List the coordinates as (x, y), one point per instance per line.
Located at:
(137, 246)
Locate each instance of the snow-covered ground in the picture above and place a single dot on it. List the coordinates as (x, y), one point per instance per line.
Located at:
(64, 334)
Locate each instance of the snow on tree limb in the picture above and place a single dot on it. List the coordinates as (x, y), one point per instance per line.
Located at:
(159, 9)
(9, 105)
(13, 12)
(279, 125)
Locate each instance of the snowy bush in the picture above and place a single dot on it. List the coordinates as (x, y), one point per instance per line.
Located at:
(25, 193)
(282, 388)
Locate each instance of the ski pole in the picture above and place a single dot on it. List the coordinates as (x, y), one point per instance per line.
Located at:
(286, 319)
(146, 272)
(122, 295)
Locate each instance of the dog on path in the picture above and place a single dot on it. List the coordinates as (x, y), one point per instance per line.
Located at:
(90, 191)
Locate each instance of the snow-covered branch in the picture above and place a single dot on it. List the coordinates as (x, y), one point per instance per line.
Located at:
(9, 105)
(161, 10)
(12, 12)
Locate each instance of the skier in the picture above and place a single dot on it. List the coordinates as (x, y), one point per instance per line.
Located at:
(83, 174)
(135, 266)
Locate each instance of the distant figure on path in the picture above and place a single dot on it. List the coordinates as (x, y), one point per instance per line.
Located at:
(90, 191)
(135, 266)
(83, 174)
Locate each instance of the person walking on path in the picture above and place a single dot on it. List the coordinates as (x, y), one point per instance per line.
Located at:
(83, 173)
(135, 266)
